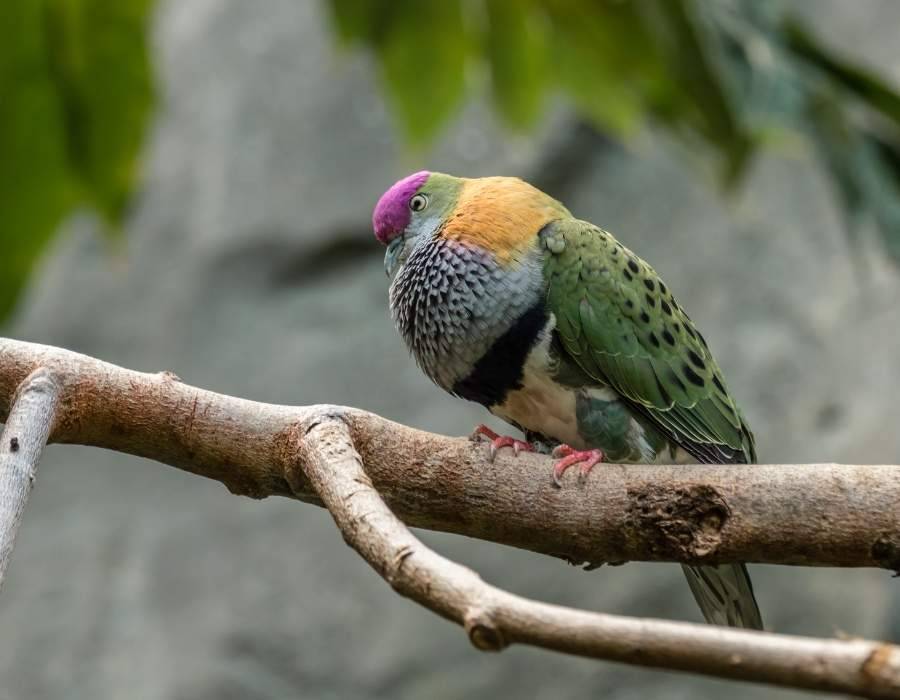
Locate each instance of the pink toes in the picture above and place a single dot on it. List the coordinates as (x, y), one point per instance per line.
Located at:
(498, 441)
(570, 457)
(567, 456)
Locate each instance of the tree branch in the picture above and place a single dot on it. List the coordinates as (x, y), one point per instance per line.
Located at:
(494, 618)
(830, 514)
(814, 515)
(24, 436)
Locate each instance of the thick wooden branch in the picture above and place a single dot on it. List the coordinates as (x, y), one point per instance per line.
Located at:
(818, 514)
(26, 431)
(494, 618)
(803, 514)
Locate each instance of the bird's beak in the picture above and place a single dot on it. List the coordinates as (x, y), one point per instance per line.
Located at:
(392, 258)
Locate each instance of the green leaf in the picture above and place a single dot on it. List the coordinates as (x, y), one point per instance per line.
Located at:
(516, 49)
(99, 64)
(862, 83)
(75, 93)
(864, 169)
(35, 187)
(423, 50)
(836, 147)
(883, 188)
(356, 20)
(706, 106)
(605, 60)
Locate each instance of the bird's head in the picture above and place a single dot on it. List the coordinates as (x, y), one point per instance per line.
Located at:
(415, 206)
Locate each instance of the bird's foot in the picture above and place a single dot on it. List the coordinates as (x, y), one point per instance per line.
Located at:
(569, 457)
(498, 441)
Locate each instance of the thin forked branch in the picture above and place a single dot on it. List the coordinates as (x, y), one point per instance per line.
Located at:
(26, 432)
(494, 618)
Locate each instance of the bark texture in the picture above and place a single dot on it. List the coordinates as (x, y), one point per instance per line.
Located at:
(807, 514)
(373, 475)
(27, 427)
(494, 618)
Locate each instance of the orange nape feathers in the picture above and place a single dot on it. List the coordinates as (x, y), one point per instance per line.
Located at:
(501, 215)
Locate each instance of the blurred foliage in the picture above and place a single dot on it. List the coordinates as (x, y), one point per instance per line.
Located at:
(75, 96)
(728, 74)
(76, 92)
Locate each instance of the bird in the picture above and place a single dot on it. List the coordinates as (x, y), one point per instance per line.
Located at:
(504, 298)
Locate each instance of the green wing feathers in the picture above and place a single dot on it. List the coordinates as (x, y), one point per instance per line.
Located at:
(621, 324)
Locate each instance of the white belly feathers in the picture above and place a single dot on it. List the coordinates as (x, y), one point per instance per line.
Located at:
(542, 405)
(547, 407)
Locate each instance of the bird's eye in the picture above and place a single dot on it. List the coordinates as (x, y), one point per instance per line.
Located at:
(418, 202)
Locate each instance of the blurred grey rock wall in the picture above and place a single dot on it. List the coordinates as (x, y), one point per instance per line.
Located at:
(249, 268)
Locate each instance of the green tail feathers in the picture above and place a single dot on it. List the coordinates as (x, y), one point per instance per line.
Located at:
(725, 595)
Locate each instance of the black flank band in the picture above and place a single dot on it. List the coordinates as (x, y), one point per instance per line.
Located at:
(500, 369)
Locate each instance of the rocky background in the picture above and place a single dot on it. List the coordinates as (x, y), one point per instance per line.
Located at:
(249, 268)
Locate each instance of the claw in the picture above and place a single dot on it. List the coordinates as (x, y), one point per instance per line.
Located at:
(498, 441)
(481, 430)
(570, 457)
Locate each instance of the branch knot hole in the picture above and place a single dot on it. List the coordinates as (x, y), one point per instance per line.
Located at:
(483, 631)
(882, 665)
(685, 522)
